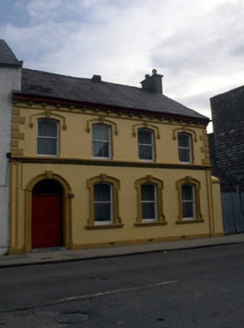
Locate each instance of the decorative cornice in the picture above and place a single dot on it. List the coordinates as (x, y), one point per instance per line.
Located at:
(114, 109)
(146, 125)
(48, 114)
(101, 120)
(185, 130)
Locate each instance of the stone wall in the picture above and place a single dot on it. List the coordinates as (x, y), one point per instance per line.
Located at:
(227, 140)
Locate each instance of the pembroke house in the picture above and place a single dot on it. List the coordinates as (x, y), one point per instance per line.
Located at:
(94, 163)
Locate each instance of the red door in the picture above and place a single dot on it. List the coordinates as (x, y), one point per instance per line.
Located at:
(46, 221)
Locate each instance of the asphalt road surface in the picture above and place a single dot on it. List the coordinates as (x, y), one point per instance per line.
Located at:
(189, 288)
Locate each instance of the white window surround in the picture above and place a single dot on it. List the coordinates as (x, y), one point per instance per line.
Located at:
(101, 143)
(188, 202)
(114, 198)
(44, 137)
(185, 148)
(146, 148)
(193, 196)
(104, 202)
(152, 201)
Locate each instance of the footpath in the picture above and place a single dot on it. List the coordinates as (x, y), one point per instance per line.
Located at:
(62, 255)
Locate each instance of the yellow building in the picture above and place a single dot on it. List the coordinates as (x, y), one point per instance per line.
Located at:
(98, 164)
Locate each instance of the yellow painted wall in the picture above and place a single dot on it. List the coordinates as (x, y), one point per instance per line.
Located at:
(76, 143)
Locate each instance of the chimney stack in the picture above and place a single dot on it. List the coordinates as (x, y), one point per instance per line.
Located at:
(96, 78)
(153, 83)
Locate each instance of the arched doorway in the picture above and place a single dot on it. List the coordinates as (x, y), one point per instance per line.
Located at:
(47, 214)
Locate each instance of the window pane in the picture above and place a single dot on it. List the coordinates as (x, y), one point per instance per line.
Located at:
(187, 192)
(100, 132)
(101, 140)
(102, 212)
(145, 152)
(184, 155)
(145, 137)
(102, 192)
(148, 192)
(46, 146)
(148, 210)
(100, 149)
(188, 210)
(184, 140)
(47, 128)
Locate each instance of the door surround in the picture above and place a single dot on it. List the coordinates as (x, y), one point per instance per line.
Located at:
(67, 209)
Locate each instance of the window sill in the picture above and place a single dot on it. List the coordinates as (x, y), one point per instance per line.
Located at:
(103, 158)
(186, 163)
(105, 226)
(188, 221)
(147, 160)
(150, 224)
(47, 155)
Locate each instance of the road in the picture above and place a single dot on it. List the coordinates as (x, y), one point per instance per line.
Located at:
(189, 288)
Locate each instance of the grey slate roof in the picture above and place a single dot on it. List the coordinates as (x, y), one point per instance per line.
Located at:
(38, 83)
(7, 57)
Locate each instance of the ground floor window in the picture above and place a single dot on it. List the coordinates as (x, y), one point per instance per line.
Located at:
(189, 200)
(149, 201)
(104, 202)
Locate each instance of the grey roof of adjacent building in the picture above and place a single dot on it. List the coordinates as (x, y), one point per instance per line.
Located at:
(7, 57)
(89, 91)
(231, 93)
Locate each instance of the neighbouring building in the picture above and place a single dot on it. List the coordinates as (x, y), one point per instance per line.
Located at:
(10, 79)
(227, 154)
(96, 164)
(227, 139)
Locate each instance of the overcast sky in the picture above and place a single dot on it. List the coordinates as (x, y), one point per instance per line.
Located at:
(198, 45)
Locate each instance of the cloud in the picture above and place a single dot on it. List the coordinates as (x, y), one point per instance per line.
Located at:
(198, 45)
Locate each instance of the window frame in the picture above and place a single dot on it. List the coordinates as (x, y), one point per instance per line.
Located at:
(152, 145)
(196, 197)
(109, 142)
(186, 201)
(115, 186)
(190, 148)
(160, 217)
(104, 202)
(57, 138)
(154, 202)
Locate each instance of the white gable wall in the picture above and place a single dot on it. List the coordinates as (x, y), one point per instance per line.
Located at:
(10, 79)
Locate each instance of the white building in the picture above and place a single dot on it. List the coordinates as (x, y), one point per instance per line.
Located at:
(10, 79)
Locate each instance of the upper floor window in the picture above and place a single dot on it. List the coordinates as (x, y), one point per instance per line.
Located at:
(146, 144)
(149, 202)
(188, 202)
(101, 140)
(103, 203)
(185, 147)
(47, 137)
